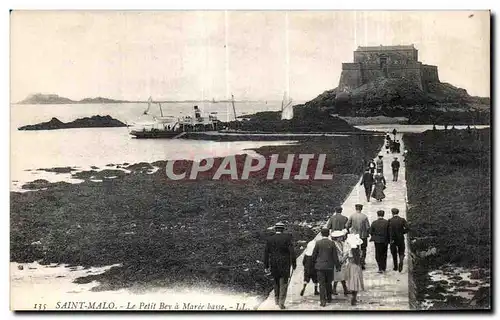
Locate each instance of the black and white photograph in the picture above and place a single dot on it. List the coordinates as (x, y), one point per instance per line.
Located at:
(250, 160)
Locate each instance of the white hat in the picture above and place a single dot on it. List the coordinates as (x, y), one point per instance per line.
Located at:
(337, 233)
(310, 248)
(353, 240)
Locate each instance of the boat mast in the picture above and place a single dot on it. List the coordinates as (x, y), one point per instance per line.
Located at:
(149, 105)
(161, 111)
(234, 109)
(283, 101)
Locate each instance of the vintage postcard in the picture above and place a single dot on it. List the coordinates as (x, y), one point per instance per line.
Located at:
(250, 160)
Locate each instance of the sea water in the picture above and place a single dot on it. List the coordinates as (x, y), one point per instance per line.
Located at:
(85, 147)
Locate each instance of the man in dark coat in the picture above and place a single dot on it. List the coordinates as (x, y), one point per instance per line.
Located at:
(279, 255)
(393, 146)
(398, 227)
(395, 169)
(367, 182)
(379, 231)
(337, 221)
(325, 259)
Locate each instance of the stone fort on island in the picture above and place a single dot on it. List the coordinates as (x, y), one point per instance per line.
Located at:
(371, 63)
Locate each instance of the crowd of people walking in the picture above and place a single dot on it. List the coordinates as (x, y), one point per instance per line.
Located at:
(373, 179)
(340, 254)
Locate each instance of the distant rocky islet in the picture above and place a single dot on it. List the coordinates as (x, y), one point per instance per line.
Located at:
(87, 122)
(39, 98)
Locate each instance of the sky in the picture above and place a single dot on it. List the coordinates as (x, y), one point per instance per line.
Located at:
(256, 55)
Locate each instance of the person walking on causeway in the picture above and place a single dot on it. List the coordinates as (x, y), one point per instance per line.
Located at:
(398, 227)
(367, 182)
(354, 272)
(279, 255)
(325, 260)
(380, 183)
(379, 232)
(395, 169)
(338, 238)
(310, 273)
(337, 221)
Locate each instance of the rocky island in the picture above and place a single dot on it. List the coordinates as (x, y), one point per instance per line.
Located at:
(390, 81)
(87, 122)
(39, 98)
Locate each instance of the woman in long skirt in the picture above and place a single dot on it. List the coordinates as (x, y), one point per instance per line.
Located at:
(354, 273)
(338, 238)
(378, 190)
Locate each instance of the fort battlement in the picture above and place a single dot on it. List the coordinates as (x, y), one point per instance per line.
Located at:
(371, 63)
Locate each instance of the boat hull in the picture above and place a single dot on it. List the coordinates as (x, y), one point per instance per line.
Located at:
(159, 134)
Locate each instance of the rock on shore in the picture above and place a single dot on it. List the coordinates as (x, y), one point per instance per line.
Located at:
(306, 119)
(92, 122)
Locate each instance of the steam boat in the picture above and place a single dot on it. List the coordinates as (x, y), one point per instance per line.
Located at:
(170, 127)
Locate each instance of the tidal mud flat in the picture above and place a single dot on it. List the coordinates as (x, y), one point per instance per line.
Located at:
(449, 194)
(166, 234)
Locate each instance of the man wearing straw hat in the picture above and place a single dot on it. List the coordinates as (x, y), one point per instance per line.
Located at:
(279, 255)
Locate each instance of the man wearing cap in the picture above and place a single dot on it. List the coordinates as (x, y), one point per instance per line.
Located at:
(395, 169)
(380, 164)
(379, 231)
(358, 224)
(337, 221)
(279, 255)
(325, 259)
(398, 227)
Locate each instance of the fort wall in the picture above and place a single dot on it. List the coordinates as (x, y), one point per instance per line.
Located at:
(371, 63)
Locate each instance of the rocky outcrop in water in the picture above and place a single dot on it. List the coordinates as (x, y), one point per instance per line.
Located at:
(92, 122)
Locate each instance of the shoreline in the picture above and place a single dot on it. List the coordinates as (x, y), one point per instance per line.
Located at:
(144, 213)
